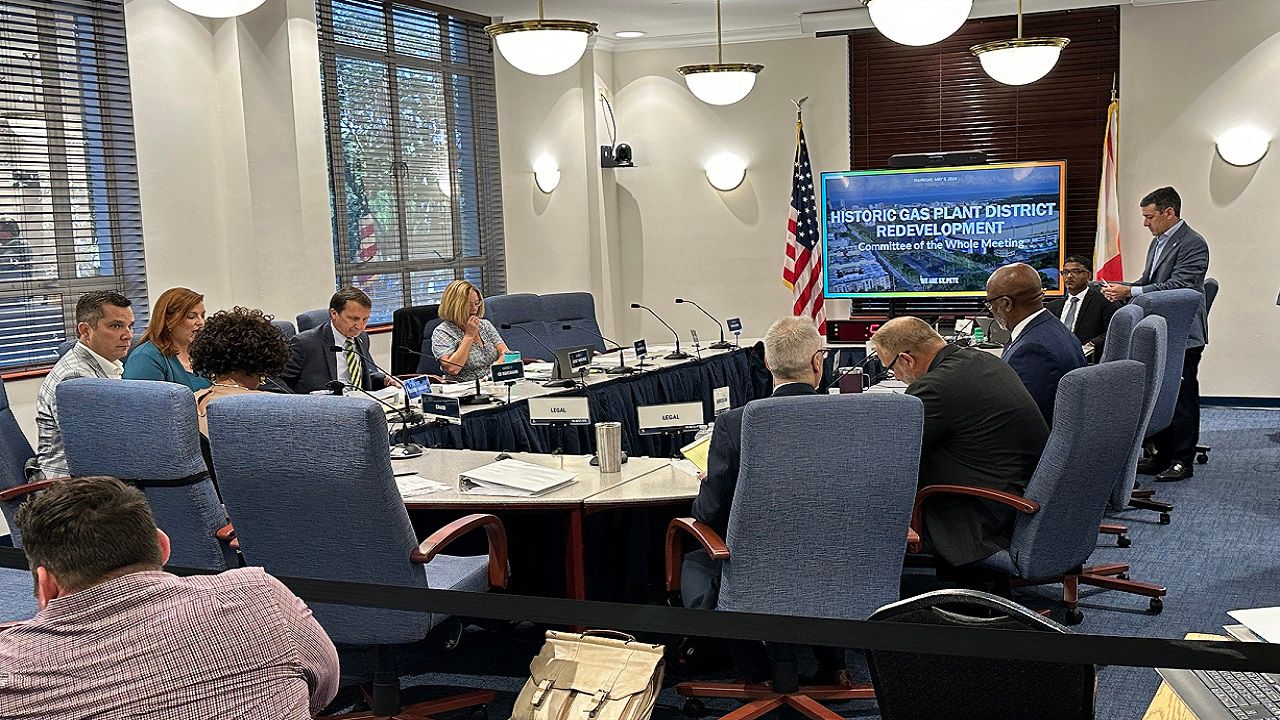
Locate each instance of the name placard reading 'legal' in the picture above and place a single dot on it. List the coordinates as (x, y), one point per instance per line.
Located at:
(559, 411)
(655, 419)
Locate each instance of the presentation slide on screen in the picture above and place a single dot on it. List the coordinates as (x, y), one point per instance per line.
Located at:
(940, 231)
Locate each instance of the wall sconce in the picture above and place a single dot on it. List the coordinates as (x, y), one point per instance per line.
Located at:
(725, 171)
(218, 8)
(546, 173)
(1243, 145)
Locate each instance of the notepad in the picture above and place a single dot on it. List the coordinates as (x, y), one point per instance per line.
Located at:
(416, 486)
(697, 451)
(514, 478)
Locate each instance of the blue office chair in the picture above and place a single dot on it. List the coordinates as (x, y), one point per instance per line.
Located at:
(428, 363)
(1057, 527)
(285, 327)
(1119, 333)
(1149, 347)
(578, 310)
(912, 685)
(786, 551)
(16, 601)
(1210, 294)
(308, 484)
(521, 310)
(312, 318)
(101, 420)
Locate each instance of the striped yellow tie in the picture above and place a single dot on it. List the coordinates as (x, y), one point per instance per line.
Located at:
(353, 363)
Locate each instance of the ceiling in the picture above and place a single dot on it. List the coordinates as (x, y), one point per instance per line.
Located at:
(692, 22)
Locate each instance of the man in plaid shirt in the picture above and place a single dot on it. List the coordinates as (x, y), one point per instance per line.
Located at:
(104, 324)
(118, 637)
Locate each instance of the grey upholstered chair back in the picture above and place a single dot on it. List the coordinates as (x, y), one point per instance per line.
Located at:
(15, 451)
(1210, 294)
(308, 485)
(427, 361)
(1178, 308)
(1080, 466)
(65, 346)
(1119, 333)
(1150, 341)
(819, 519)
(285, 327)
(146, 432)
(578, 310)
(312, 318)
(912, 685)
(521, 310)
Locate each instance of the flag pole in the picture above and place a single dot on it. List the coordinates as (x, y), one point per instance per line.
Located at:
(799, 114)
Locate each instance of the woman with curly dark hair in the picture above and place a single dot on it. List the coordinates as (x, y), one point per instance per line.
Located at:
(237, 349)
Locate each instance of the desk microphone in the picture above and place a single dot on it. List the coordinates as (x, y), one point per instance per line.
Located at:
(277, 384)
(677, 355)
(525, 330)
(723, 344)
(622, 368)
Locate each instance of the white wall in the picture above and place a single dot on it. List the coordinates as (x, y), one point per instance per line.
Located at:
(1188, 72)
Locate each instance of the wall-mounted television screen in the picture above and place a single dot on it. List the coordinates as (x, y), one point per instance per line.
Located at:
(935, 232)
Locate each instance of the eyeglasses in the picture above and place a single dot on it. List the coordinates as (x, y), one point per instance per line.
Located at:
(991, 301)
(1075, 272)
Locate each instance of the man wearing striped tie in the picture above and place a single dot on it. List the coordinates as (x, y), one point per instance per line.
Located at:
(336, 350)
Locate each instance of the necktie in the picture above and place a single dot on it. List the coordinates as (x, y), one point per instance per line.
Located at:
(1070, 320)
(353, 363)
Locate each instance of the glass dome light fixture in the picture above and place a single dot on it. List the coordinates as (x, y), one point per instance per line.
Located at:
(218, 8)
(918, 22)
(1019, 61)
(542, 47)
(720, 83)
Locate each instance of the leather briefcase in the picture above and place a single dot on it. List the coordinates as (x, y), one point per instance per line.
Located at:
(590, 676)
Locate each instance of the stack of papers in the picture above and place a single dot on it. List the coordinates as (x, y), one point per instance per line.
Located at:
(417, 486)
(514, 478)
(1264, 622)
(696, 452)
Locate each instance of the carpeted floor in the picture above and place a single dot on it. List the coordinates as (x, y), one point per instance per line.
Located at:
(1219, 554)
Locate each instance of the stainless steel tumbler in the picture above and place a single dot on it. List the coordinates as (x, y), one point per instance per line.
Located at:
(609, 446)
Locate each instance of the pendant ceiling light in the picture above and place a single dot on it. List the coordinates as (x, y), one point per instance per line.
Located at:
(542, 47)
(918, 22)
(720, 83)
(218, 8)
(1021, 60)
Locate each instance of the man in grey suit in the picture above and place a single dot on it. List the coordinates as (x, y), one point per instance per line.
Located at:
(336, 350)
(1178, 258)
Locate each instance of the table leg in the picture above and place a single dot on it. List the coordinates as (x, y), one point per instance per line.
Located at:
(575, 572)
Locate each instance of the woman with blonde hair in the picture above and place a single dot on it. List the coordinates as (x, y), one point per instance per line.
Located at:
(176, 317)
(465, 342)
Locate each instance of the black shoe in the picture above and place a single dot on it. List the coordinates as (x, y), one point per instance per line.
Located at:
(1151, 466)
(1179, 470)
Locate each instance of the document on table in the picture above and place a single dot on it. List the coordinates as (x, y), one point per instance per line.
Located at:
(1264, 622)
(417, 486)
(697, 451)
(514, 478)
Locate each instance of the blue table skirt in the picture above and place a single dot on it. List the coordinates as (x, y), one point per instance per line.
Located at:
(506, 427)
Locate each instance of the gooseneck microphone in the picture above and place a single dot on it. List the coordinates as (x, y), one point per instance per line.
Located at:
(723, 344)
(677, 355)
(525, 330)
(622, 368)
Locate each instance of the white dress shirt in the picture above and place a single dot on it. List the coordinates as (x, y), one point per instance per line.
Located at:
(340, 341)
(113, 368)
(1066, 308)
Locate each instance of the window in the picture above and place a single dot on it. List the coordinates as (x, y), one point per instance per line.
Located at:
(412, 129)
(70, 220)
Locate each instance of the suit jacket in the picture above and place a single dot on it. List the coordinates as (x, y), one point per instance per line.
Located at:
(313, 364)
(1092, 318)
(715, 496)
(1183, 264)
(1044, 351)
(981, 429)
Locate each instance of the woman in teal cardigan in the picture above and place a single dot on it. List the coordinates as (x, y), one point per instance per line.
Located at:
(178, 314)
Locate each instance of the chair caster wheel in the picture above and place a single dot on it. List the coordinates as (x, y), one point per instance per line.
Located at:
(1156, 606)
(1202, 458)
(1122, 576)
(694, 708)
(1074, 616)
(480, 713)
(1123, 541)
(1165, 519)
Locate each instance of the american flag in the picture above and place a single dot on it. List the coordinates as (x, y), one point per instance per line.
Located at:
(802, 269)
(368, 237)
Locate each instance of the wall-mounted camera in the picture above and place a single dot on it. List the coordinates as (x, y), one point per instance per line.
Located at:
(616, 156)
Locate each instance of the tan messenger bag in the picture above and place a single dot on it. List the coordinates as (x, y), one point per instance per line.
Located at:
(590, 677)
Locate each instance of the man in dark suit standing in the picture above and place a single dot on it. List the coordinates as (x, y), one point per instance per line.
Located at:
(981, 429)
(1084, 310)
(794, 354)
(1177, 258)
(336, 350)
(1042, 349)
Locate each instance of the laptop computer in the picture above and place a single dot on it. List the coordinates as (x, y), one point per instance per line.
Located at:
(992, 332)
(1225, 694)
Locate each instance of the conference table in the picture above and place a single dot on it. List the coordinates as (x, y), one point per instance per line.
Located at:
(504, 424)
(643, 481)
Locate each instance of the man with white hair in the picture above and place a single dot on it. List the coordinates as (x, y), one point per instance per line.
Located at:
(794, 353)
